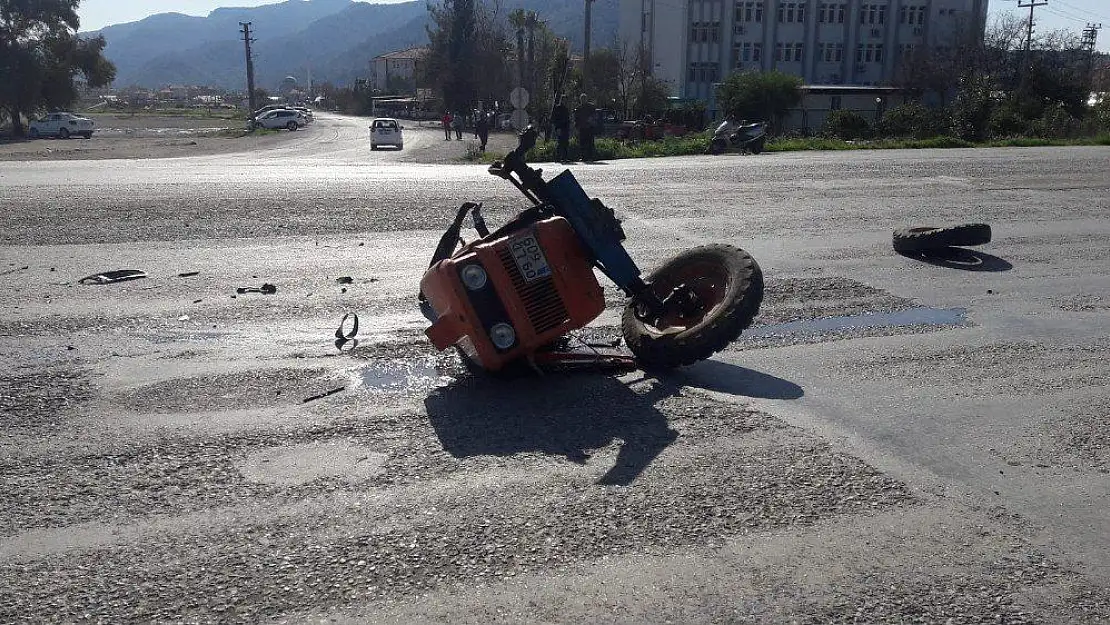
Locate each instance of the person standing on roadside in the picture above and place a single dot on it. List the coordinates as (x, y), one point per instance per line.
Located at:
(584, 123)
(481, 128)
(447, 124)
(457, 124)
(560, 121)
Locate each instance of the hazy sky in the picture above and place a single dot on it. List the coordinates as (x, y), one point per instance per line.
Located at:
(1059, 14)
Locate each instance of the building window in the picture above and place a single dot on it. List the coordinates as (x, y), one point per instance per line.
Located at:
(792, 12)
(749, 12)
(747, 52)
(705, 32)
(872, 14)
(832, 13)
(912, 15)
(869, 53)
(788, 52)
(830, 52)
(704, 72)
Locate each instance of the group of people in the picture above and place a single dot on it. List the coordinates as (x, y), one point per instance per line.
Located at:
(583, 119)
(454, 123)
(584, 123)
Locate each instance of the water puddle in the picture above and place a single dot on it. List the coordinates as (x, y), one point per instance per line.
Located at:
(402, 376)
(913, 317)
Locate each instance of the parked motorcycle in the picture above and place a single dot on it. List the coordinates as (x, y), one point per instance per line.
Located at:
(740, 136)
(513, 294)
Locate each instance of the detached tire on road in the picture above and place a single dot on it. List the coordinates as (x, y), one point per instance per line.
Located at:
(930, 238)
(727, 279)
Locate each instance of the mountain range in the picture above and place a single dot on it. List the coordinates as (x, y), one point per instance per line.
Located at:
(327, 40)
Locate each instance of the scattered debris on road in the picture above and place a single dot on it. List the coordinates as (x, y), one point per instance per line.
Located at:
(324, 394)
(265, 289)
(111, 277)
(345, 280)
(188, 274)
(24, 268)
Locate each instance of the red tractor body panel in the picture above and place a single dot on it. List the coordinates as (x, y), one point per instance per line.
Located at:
(539, 281)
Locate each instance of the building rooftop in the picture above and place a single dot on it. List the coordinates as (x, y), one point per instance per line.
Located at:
(409, 53)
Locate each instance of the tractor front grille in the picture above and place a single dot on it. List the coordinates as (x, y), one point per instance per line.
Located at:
(545, 308)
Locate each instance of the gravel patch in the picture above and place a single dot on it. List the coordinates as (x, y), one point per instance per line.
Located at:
(41, 402)
(966, 591)
(710, 487)
(981, 370)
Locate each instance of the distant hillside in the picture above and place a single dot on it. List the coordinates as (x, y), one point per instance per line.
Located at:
(334, 39)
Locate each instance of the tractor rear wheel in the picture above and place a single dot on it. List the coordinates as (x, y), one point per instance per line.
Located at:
(725, 286)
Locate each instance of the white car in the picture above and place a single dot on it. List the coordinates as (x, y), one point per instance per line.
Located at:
(307, 112)
(386, 131)
(62, 126)
(280, 118)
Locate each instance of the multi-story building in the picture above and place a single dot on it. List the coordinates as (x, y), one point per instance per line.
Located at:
(693, 44)
(397, 69)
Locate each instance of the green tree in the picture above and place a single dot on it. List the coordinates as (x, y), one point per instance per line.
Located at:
(759, 95)
(42, 58)
(467, 53)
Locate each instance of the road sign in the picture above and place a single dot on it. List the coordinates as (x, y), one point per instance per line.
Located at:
(519, 98)
(520, 119)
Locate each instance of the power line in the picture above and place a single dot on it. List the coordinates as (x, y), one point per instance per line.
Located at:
(1080, 9)
(1065, 15)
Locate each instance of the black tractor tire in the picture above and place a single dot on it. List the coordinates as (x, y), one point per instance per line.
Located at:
(930, 238)
(717, 146)
(292, 126)
(721, 325)
(63, 133)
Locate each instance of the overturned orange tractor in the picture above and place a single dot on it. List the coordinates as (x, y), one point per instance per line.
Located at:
(513, 295)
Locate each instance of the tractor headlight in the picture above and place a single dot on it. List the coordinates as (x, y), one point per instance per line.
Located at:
(503, 335)
(474, 277)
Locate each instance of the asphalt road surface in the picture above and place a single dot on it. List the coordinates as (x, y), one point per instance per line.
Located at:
(895, 440)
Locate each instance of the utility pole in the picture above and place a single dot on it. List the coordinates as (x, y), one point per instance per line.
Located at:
(1032, 4)
(586, 46)
(1090, 41)
(250, 64)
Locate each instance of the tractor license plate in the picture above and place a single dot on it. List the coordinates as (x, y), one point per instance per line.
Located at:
(530, 259)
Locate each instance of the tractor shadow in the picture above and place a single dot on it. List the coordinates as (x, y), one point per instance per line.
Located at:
(570, 415)
(961, 258)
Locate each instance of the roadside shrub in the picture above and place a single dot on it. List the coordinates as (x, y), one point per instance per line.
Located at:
(1006, 121)
(971, 109)
(914, 120)
(1056, 123)
(847, 125)
(1100, 114)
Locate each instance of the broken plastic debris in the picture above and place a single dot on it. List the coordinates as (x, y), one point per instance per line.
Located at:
(265, 289)
(343, 335)
(110, 277)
